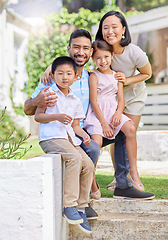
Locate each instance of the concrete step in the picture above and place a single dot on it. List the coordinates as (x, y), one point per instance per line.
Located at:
(132, 206)
(126, 220)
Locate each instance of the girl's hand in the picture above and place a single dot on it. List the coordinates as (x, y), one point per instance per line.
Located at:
(64, 118)
(120, 77)
(107, 130)
(86, 139)
(47, 77)
(116, 119)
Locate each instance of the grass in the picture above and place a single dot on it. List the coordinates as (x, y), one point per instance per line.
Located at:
(35, 150)
(157, 185)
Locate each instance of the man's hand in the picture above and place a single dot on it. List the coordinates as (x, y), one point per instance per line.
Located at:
(45, 99)
(47, 77)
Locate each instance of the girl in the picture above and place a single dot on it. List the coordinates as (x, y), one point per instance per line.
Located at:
(104, 117)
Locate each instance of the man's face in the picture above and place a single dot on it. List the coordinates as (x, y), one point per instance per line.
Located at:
(80, 50)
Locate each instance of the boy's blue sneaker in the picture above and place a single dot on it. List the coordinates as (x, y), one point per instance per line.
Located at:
(85, 227)
(72, 216)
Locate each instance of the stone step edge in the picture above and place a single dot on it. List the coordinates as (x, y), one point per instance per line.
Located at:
(107, 216)
(125, 205)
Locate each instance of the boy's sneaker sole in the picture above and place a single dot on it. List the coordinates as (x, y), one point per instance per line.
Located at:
(72, 215)
(85, 227)
(73, 221)
(84, 230)
(132, 193)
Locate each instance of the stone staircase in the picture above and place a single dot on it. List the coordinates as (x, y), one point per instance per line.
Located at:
(126, 220)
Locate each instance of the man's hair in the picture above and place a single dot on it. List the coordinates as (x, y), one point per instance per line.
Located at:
(102, 45)
(61, 61)
(80, 33)
(124, 42)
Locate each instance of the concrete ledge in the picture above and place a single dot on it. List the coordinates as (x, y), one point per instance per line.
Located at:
(152, 145)
(31, 198)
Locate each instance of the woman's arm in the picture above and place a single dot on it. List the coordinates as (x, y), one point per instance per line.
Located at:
(80, 132)
(107, 130)
(42, 117)
(145, 73)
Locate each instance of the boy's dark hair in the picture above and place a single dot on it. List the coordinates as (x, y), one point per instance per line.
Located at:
(63, 60)
(124, 42)
(80, 33)
(102, 45)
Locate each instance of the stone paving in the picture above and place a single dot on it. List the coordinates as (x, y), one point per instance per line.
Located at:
(144, 167)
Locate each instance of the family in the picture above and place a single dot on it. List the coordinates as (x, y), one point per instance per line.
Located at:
(80, 112)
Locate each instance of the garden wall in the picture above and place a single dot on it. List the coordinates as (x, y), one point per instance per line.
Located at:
(31, 198)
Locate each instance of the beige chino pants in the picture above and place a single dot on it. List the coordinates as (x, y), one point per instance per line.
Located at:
(78, 170)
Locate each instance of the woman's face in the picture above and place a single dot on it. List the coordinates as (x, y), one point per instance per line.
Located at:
(112, 30)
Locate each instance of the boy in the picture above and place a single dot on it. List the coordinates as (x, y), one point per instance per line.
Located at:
(58, 126)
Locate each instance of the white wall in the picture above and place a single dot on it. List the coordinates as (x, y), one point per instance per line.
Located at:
(31, 198)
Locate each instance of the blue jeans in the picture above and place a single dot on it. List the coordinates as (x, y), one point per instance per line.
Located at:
(121, 160)
(92, 150)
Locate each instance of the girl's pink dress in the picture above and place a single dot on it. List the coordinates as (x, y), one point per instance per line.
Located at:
(107, 89)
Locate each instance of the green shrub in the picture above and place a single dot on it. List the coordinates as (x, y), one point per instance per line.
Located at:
(11, 139)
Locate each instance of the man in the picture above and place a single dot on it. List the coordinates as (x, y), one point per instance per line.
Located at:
(80, 50)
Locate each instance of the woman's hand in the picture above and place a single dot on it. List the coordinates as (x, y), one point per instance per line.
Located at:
(116, 119)
(120, 77)
(107, 130)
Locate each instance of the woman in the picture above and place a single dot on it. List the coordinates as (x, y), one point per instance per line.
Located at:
(127, 58)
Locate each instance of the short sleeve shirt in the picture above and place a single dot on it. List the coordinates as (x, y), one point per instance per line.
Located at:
(80, 88)
(70, 105)
(132, 58)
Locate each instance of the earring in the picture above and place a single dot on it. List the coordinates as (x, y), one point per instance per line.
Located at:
(123, 37)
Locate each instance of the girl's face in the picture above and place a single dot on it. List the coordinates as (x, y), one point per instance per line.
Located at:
(112, 30)
(103, 59)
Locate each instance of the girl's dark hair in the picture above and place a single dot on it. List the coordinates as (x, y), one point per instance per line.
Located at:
(124, 42)
(61, 61)
(102, 45)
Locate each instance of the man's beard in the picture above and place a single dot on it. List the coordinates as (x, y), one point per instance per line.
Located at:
(78, 64)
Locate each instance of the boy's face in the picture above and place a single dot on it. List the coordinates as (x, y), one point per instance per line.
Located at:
(80, 50)
(64, 76)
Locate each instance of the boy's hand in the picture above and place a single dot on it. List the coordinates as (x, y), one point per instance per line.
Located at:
(86, 139)
(64, 118)
(116, 119)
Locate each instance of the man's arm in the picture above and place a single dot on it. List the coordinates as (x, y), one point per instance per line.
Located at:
(42, 100)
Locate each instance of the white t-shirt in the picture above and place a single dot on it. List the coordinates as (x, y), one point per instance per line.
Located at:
(70, 105)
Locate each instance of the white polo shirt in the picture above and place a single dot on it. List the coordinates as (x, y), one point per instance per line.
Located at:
(70, 105)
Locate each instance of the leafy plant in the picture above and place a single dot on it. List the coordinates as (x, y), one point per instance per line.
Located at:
(9, 146)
